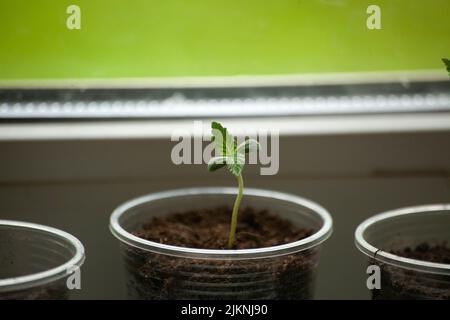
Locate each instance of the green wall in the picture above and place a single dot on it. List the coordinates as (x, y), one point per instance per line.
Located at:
(165, 38)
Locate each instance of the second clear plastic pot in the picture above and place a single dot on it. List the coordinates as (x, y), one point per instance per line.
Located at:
(159, 271)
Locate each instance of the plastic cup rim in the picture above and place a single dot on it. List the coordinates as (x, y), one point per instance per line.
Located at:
(386, 257)
(47, 276)
(315, 239)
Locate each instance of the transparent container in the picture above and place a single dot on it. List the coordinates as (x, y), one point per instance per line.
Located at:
(394, 231)
(36, 260)
(159, 271)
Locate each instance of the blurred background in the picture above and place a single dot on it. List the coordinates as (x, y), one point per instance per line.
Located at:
(90, 95)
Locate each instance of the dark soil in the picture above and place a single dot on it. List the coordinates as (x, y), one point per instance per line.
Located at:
(55, 291)
(401, 284)
(157, 276)
(439, 253)
(208, 229)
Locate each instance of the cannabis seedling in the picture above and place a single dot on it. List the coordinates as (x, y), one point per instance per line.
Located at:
(447, 64)
(232, 156)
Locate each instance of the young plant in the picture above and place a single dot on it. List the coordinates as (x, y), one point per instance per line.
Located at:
(447, 64)
(232, 156)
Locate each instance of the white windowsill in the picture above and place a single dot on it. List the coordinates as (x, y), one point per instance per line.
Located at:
(147, 129)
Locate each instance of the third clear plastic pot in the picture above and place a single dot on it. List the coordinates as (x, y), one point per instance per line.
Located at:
(414, 230)
(36, 260)
(159, 271)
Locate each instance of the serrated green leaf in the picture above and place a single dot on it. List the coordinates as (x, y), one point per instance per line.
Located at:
(226, 147)
(216, 163)
(236, 164)
(224, 142)
(447, 64)
(235, 169)
(248, 146)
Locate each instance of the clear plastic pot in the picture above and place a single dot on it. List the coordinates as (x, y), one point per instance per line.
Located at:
(36, 260)
(393, 231)
(159, 271)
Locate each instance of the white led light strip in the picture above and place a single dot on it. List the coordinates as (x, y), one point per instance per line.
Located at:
(179, 107)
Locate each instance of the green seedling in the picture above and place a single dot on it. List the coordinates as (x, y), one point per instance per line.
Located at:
(447, 64)
(231, 156)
